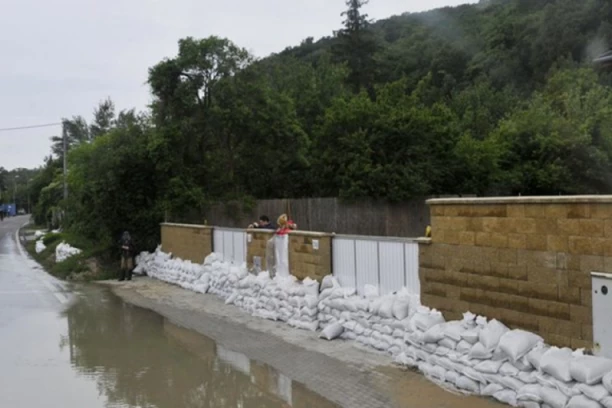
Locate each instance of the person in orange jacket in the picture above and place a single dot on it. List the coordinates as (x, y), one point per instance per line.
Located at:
(285, 225)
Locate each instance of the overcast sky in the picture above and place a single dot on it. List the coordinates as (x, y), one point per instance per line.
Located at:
(60, 57)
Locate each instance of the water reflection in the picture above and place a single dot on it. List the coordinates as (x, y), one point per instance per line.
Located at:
(139, 359)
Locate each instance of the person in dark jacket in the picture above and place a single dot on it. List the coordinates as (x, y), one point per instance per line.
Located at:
(263, 223)
(126, 246)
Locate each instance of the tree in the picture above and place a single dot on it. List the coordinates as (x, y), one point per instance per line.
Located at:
(356, 46)
(561, 140)
(76, 132)
(104, 118)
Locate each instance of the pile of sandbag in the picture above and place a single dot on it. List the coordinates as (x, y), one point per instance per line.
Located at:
(64, 251)
(481, 357)
(40, 246)
(39, 234)
(144, 261)
(159, 267)
(372, 320)
(224, 276)
(282, 298)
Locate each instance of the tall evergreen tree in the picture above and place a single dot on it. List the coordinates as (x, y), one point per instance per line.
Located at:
(356, 46)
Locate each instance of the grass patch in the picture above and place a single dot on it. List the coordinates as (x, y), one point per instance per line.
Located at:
(95, 262)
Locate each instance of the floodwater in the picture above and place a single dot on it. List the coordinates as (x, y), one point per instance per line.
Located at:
(102, 352)
(68, 346)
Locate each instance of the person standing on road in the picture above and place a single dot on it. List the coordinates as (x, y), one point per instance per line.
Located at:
(127, 253)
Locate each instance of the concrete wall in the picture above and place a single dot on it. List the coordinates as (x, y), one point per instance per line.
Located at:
(304, 260)
(525, 261)
(187, 241)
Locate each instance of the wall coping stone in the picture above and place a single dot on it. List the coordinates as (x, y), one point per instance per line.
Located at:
(607, 199)
(294, 232)
(376, 238)
(197, 226)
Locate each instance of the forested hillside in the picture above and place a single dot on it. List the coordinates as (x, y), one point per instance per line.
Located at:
(495, 98)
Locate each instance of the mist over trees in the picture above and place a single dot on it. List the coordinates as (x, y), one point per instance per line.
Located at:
(495, 98)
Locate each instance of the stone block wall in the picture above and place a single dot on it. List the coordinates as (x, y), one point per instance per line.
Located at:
(257, 246)
(304, 259)
(187, 241)
(524, 261)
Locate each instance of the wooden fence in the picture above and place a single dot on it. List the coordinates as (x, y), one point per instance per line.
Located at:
(407, 219)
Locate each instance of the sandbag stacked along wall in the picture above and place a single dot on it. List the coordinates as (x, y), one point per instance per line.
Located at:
(472, 356)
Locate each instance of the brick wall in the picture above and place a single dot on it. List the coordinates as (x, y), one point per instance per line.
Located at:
(257, 247)
(188, 242)
(525, 261)
(304, 260)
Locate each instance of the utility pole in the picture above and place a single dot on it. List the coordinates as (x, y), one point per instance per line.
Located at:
(65, 145)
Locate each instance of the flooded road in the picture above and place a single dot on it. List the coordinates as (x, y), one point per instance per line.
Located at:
(81, 346)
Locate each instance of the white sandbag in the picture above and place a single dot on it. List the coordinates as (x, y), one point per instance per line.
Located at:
(479, 352)
(404, 360)
(426, 321)
(467, 384)
(491, 389)
(589, 369)
(230, 300)
(489, 366)
(451, 377)
(446, 363)
(463, 347)
(329, 282)
(370, 291)
(442, 351)
(386, 307)
(508, 369)
(511, 383)
(529, 392)
(556, 362)
(491, 334)
(517, 343)
(448, 343)
(581, 401)
(401, 308)
(553, 397)
(471, 336)
(595, 392)
(453, 330)
(528, 377)
(434, 334)
(528, 404)
(607, 382)
(438, 372)
(535, 356)
(522, 364)
(606, 402)
(507, 397)
(474, 375)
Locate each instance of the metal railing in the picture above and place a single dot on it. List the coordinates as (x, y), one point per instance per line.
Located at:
(389, 263)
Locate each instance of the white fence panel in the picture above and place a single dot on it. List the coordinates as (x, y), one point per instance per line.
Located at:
(343, 260)
(366, 259)
(413, 282)
(218, 241)
(231, 243)
(392, 266)
(389, 263)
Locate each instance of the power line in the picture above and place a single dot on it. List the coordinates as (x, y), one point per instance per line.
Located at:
(30, 127)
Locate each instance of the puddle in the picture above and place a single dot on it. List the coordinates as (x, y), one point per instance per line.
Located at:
(102, 352)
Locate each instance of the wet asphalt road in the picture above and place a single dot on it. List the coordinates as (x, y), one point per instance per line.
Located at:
(79, 346)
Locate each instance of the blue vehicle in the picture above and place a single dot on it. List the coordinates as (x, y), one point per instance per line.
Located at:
(9, 209)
